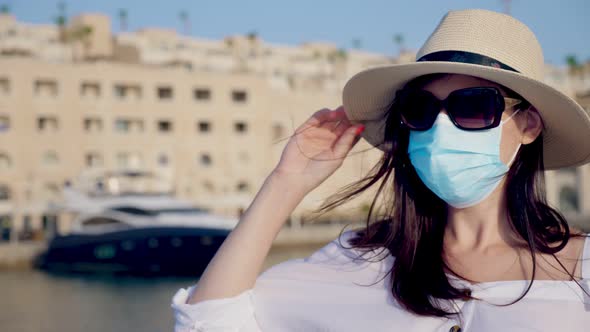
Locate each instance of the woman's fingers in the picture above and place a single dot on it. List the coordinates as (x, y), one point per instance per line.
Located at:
(326, 115)
(335, 121)
(319, 117)
(347, 140)
(340, 128)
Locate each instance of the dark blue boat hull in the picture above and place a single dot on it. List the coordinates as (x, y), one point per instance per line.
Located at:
(171, 251)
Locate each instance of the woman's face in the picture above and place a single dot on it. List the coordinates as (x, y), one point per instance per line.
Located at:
(520, 129)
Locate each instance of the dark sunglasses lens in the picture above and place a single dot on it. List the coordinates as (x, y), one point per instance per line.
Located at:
(418, 109)
(474, 109)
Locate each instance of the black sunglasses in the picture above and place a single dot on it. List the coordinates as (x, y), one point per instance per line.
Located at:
(476, 108)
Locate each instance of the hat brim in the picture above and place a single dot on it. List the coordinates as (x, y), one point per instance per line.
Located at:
(368, 95)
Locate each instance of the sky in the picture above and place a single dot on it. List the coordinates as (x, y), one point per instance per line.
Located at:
(562, 27)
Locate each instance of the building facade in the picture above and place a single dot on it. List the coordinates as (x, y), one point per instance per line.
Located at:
(211, 116)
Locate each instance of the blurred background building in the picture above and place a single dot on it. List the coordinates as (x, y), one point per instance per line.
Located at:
(209, 116)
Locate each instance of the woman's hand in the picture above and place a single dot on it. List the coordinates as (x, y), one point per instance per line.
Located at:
(318, 148)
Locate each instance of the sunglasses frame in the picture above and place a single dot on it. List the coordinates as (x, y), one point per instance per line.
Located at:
(501, 104)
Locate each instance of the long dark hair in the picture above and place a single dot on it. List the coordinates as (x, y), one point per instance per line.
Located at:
(414, 219)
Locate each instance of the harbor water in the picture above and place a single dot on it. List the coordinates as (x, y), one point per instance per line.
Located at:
(35, 301)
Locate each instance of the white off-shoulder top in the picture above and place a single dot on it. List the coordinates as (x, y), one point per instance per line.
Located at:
(333, 290)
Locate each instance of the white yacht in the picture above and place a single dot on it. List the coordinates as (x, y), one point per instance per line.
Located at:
(130, 222)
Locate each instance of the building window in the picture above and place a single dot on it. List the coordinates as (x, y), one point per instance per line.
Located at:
(5, 162)
(208, 186)
(128, 125)
(4, 86)
(239, 96)
(4, 123)
(92, 125)
(93, 159)
(569, 199)
(46, 88)
(204, 126)
(240, 127)
(164, 92)
(164, 126)
(243, 156)
(122, 159)
(5, 193)
(50, 158)
(205, 159)
(26, 232)
(128, 160)
(47, 124)
(163, 160)
(50, 191)
(202, 94)
(122, 125)
(49, 223)
(90, 90)
(277, 131)
(5, 227)
(127, 91)
(243, 186)
(120, 91)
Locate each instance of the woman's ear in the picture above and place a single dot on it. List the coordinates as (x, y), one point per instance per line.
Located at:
(532, 125)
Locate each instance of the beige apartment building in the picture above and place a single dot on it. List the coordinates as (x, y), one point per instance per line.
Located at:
(209, 116)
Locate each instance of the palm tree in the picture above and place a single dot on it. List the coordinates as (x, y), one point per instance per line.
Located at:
(229, 42)
(357, 43)
(337, 55)
(574, 66)
(61, 20)
(252, 35)
(123, 19)
(341, 53)
(81, 34)
(398, 39)
(184, 18)
(571, 60)
(5, 9)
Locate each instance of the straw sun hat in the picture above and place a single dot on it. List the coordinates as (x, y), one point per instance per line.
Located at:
(489, 45)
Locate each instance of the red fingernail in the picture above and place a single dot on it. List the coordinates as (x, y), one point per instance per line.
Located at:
(360, 129)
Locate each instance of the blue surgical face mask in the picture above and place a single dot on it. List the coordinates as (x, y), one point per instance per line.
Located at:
(461, 167)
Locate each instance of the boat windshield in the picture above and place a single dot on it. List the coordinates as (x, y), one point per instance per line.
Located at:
(188, 210)
(101, 221)
(124, 183)
(154, 212)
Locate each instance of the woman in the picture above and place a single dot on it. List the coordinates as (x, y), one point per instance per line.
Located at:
(467, 244)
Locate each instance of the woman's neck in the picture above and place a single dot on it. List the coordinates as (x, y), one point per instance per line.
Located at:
(479, 227)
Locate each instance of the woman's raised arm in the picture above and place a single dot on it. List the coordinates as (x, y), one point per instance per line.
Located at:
(312, 154)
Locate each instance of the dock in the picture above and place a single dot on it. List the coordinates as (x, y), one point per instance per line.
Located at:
(19, 255)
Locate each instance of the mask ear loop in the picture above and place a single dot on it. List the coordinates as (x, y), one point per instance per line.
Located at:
(510, 117)
(519, 144)
(514, 154)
